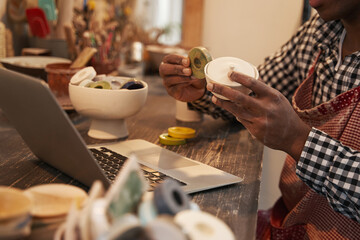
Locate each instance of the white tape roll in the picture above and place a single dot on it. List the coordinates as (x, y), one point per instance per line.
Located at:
(81, 75)
(203, 226)
(163, 228)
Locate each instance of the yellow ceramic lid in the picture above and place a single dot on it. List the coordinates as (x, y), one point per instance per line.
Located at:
(181, 132)
(168, 140)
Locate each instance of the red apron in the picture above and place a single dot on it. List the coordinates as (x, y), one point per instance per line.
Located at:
(301, 213)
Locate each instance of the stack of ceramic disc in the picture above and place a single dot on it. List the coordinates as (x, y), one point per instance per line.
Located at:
(177, 135)
(54, 200)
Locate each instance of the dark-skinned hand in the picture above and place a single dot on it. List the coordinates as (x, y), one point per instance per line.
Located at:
(267, 115)
(177, 79)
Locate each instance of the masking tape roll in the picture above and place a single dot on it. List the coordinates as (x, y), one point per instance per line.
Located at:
(169, 198)
(81, 75)
(203, 226)
(199, 57)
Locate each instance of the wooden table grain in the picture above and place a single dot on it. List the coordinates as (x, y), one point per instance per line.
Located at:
(224, 145)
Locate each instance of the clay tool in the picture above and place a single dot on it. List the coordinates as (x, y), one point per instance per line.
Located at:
(84, 57)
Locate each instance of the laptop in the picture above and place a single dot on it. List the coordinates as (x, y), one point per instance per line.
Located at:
(33, 110)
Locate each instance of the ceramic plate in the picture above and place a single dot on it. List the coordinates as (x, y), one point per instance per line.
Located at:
(32, 62)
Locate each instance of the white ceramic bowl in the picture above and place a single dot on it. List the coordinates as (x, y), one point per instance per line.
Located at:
(217, 71)
(107, 109)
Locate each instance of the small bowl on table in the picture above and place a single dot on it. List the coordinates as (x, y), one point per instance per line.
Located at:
(108, 108)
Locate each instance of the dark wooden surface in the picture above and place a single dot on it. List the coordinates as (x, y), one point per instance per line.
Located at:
(224, 145)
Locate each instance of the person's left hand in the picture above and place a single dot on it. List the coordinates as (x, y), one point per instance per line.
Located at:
(268, 115)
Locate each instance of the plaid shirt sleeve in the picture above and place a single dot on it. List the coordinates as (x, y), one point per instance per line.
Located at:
(332, 169)
(205, 105)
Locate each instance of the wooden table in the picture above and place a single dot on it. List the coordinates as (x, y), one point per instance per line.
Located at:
(218, 143)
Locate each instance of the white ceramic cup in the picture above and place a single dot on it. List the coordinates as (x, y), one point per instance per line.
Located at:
(217, 71)
(186, 115)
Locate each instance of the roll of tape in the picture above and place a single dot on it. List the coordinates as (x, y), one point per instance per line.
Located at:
(203, 226)
(169, 198)
(199, 57)
(164, 228)
(81, 75)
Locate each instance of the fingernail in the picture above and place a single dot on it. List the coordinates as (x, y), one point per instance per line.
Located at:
(229, 74)
(185, 61)
(214, 99)
(210, 86)
(187, 71)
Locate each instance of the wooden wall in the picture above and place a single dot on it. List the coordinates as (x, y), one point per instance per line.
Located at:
(192, 27)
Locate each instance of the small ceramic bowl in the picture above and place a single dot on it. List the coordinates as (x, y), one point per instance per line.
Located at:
(108, 108)
(217, 71)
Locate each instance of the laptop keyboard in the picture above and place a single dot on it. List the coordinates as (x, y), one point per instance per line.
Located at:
(111, 162)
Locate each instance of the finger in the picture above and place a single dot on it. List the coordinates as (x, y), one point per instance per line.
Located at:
(166, 69)
(171, 81)
(258, 87)
(233, 95)
(238, 110)
(185, 92)
(177, 59)
(198, 83)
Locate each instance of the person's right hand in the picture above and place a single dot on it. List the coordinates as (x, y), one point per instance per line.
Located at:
(178, 81)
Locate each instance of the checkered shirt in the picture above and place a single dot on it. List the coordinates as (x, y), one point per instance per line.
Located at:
(326, 165)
